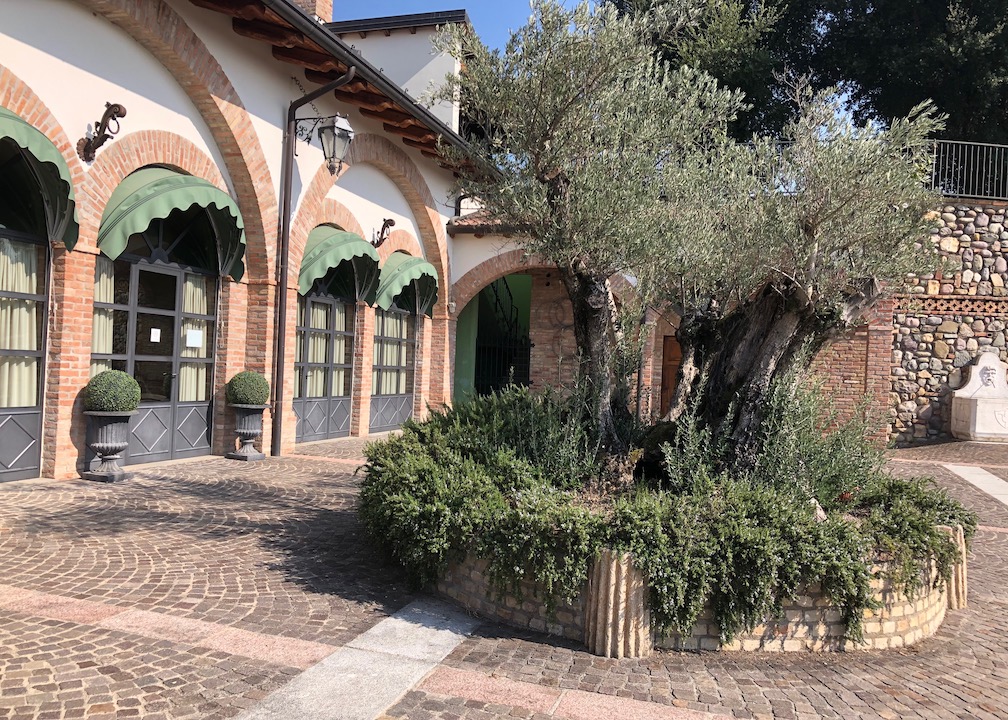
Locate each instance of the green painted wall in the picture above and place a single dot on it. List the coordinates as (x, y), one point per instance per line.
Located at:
(465, 350)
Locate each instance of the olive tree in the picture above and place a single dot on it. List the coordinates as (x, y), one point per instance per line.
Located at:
(611, 161)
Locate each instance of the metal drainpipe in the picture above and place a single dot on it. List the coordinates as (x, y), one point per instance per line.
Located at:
(287, 178)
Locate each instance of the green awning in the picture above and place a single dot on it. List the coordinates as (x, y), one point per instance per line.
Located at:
(326, 248)
(153, 194)
(46, 163)
(411, 280)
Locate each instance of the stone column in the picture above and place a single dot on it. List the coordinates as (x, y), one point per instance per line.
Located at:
(617, 617)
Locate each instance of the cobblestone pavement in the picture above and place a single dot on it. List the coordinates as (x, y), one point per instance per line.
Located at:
(955, 452)
(349, 449)
(197, 588)
(960, 673)
(269, 554)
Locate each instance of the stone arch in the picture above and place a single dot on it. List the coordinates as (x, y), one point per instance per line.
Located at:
(164, 33)
(132, 152)
(64, 340)
(398, 241)
(19, 98)
(316, 209)
(469, 285)
(372, 149)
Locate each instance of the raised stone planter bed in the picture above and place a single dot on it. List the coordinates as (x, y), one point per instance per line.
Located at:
(611, 615)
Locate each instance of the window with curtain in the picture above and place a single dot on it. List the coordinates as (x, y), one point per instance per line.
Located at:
(324, 351)
(394, 343)
(22, 298)
(196, 342)
(110, 321)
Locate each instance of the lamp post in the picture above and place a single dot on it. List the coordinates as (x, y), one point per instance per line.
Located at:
(335, 139)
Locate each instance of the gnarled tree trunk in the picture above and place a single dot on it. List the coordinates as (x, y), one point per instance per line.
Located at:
(729, 362)
(595, 327)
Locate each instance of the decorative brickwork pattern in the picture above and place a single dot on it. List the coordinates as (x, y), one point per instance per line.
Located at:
(466, 583)
(949, 317)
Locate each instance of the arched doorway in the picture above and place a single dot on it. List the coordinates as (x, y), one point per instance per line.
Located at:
(36, 206)
(338, 269)
(407, 290)
(493, 347)
(167, 240)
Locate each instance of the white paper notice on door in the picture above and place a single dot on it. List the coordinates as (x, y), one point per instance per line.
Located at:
(155, 335)
(194, 338)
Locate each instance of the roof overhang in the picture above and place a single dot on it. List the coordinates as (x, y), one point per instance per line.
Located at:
(299, 39)
(399, 22)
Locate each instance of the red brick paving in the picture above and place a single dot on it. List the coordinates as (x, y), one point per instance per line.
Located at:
(275, 550)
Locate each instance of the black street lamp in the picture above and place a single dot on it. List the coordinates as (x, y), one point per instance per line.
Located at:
(340, 135)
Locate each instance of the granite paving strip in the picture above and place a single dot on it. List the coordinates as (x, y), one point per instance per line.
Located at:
(360, 680)
(568, 704)
(289, 652)
(985, 481)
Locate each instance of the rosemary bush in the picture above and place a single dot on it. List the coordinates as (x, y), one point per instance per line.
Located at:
(509, 477)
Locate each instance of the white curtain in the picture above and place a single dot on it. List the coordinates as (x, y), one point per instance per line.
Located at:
(195, 341)
(392, 352)
(18, 323)
(339, 388)
(318, 350)
(102, 324)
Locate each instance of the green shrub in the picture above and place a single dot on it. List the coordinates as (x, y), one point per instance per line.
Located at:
(111, 391)
(509, 477)
(247, 388)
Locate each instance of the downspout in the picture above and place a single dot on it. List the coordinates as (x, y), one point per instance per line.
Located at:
(287, 178)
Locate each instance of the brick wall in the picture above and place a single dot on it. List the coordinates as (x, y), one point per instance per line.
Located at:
(554, 351)
(466, 583)
(808, 622)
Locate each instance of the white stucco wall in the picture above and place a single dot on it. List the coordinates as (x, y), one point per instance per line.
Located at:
(411, 61)
(469, 251)
(374, 197)
(77, 62)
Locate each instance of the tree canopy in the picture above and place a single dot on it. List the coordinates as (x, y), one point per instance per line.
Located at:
(615, 161)
(887, 56)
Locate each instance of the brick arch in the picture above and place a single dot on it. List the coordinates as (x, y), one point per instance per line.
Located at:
(132, 152)
(469, 285)
(316, 209)
(164, 34)
(18, 97)
(376, 150)
(398, 241)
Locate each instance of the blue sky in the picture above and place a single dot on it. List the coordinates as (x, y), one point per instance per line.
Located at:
(491, 18)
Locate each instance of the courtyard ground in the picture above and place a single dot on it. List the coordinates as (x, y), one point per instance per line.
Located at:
(215, 588)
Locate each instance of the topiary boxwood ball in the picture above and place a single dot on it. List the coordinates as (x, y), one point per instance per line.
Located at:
(111, 391)
(247, 388)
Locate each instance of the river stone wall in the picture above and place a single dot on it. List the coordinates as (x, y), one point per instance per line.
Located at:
(948, 318)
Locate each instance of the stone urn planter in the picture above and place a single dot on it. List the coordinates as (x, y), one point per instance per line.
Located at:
(248, 393)
(248, 427)
(108, 436)
(110, 400)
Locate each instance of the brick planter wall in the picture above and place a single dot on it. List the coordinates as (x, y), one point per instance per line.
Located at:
(809, 623)
(466, 583)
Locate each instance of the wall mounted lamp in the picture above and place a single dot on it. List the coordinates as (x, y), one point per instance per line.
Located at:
(104, 130)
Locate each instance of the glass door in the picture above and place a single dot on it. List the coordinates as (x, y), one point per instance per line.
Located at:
(22, 316)
(171, 357)
(323, 367)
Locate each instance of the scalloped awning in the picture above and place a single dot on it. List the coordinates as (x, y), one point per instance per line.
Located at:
(53, 175)
(398, 274)
(155, 193)
(326, 248)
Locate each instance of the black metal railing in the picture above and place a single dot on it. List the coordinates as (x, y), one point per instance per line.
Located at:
(970, 170)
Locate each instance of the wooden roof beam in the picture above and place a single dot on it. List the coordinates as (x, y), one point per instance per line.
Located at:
(418, 133)
(371, 101)
(393, 117)
(322, 62)
(273, 34)
(244, 9)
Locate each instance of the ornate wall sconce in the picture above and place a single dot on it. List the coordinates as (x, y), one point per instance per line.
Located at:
(104, 130)
(382, 235)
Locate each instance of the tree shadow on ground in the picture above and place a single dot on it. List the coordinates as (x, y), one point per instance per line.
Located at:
(305, 531)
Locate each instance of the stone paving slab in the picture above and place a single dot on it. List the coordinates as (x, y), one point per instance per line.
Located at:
(191, 591)
(960, 673)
